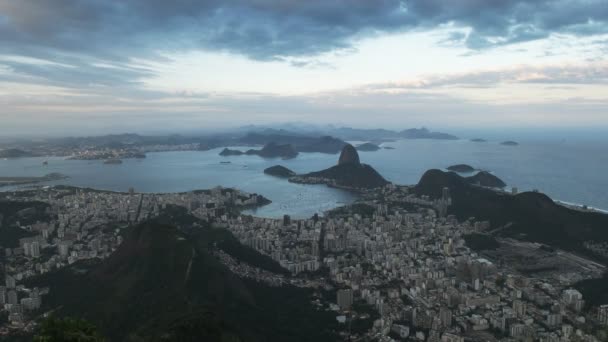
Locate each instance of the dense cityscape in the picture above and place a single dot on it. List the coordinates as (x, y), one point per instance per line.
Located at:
(393, 252)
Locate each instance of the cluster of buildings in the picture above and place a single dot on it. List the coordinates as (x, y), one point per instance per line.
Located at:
(394, 252)
(87, 224)
(405, 258)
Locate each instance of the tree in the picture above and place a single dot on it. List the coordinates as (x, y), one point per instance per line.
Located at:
(67, 330)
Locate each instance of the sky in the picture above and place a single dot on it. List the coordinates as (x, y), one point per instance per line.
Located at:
(101, 66)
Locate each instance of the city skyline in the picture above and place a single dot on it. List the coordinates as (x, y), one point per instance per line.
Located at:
(69, 66)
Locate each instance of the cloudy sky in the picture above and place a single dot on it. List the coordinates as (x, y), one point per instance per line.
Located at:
(154, 65)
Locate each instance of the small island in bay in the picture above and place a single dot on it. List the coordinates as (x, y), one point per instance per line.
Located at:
(509, 143)
(113, 161)
(462, 168)
(279, 171)
(388, 147)
(350, 173)
(479, 140)
(368, 147)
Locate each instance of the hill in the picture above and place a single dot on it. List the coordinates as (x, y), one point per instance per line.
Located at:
(487, 179)
(529, 215)
(165, 283)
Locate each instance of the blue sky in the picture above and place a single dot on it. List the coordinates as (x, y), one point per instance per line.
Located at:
(86, 66)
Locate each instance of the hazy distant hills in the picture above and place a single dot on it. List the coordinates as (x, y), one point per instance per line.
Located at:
(301, 143)
(349, 133)
(528, 215)
(164, 283)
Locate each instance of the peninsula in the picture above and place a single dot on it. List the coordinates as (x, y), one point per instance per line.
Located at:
(350, 173)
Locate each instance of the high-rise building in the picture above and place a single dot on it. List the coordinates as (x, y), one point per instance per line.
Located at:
(602, 314)
(445, 315)
(10, 282)
(11, 297)
(35, 249)
(520, 308)
(345, 298)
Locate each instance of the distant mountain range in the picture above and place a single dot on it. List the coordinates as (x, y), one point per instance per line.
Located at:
(303, 138)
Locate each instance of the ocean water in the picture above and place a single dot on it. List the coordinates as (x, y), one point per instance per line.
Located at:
(575, 172)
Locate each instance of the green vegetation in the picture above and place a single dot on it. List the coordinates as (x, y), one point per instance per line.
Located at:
(595, 291)
(24, 213)
(67, 330)
(480, 242)
(164, 284)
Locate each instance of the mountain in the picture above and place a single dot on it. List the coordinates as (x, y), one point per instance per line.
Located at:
(349, 155)
(368, 147)
(164, 282)
(487, 179)
(424, 133)
(274, 150)
(279, 171)
(349, 173)
(528, 215)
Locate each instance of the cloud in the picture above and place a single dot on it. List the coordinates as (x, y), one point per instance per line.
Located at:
(268, 29)
(588, 74)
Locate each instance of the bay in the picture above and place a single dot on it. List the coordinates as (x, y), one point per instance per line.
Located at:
(569, 171)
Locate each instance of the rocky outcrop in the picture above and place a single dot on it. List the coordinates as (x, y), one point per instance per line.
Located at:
(349, 155)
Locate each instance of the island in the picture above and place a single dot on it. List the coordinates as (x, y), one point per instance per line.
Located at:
(368, 147)
(479, 140)
(509, 143)
(279, 171)
(113, 161)
(424, 133)
(389, 148)
(350, 173)
(270, 150)
(461, 168)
